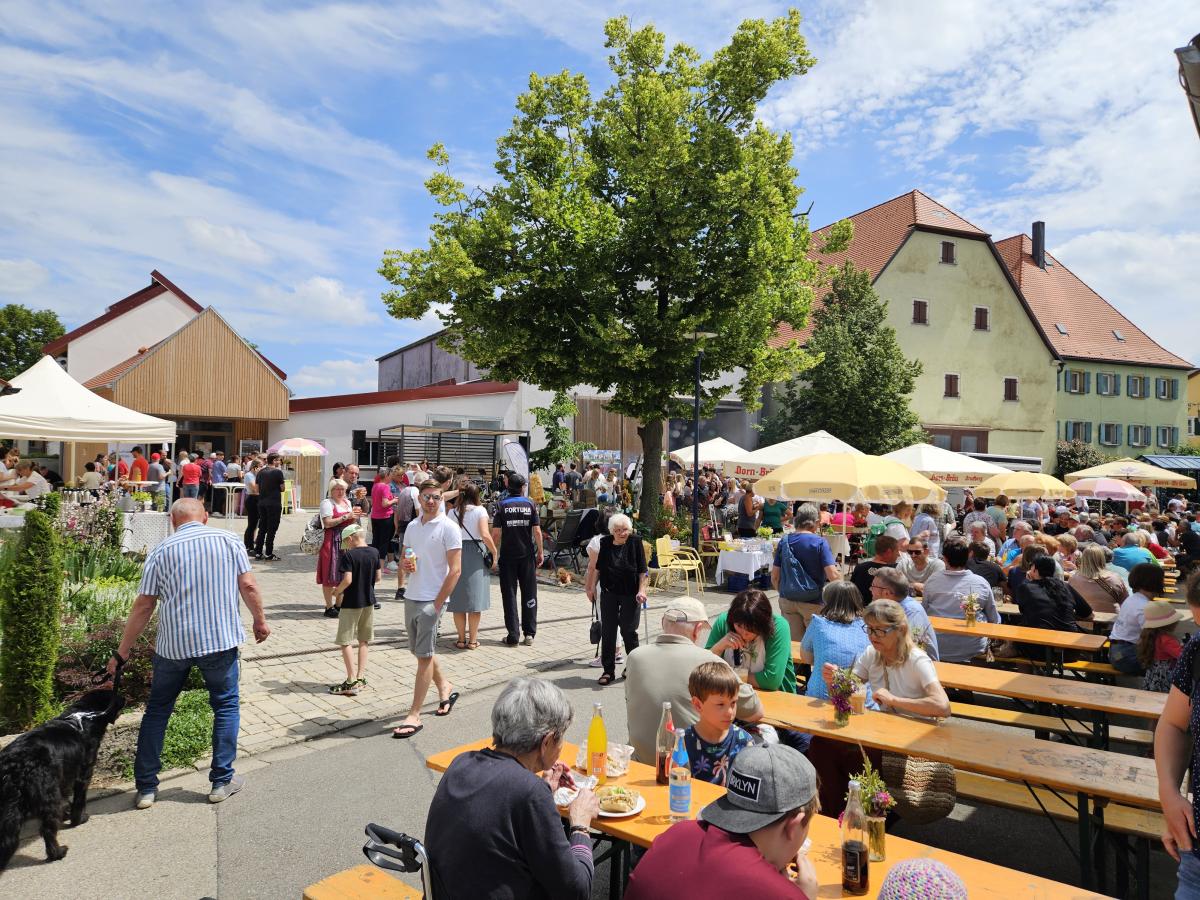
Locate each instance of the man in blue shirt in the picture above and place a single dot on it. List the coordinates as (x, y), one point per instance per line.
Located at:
(812, 552)
(890, 584)
(517, 531)
(195, 578)
(1131, 553)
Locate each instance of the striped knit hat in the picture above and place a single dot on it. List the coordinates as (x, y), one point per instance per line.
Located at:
(922, 879)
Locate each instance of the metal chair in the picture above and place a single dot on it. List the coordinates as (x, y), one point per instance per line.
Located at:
(680, 560)
(565, 540)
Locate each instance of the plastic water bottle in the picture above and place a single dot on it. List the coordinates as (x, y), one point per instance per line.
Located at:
(680, 791)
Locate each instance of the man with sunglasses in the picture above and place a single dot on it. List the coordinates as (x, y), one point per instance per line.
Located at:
(432, 570)
(918, 566)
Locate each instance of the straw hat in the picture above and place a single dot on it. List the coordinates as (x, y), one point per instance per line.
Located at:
(1160, 614)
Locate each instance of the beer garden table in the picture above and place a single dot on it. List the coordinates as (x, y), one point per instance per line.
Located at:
(1047, 638)
(1094, 776)
(984, 881)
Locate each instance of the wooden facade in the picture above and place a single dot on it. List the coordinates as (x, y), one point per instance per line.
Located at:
(204, 371)
(608, 430)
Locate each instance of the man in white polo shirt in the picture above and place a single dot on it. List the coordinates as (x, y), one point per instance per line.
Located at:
(432, 569)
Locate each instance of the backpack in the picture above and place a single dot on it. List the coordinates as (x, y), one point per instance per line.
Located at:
(313, 537)
(873, 532)
(794, 579)
(406, 510)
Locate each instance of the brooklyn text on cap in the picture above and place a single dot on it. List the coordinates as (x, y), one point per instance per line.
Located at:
(764, 783)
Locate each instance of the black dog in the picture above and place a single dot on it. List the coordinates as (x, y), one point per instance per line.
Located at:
(50, 766)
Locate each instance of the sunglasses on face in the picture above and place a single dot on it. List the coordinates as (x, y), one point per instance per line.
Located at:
(431, 498)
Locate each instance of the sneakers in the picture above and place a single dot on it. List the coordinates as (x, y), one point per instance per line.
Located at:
(511, 641)
(391, 568)
(528, 641)
(596, 664)
(331, 612)
(224, 791)
(399, 593)
(145, 801)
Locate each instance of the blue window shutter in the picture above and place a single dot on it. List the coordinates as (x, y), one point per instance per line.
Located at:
(1174, 388)
(1087, 432)
(1129, 434)
(1087, 382)
(1174, 437)
(1129, 385)
(1058, 381)
(1116, 385)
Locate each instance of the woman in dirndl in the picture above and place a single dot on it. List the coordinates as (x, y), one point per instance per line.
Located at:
(336, 513)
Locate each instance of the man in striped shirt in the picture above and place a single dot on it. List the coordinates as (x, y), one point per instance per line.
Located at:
(195, 578)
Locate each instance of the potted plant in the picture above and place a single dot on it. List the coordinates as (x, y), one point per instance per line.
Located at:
(970, 606)
(845, 683)
(877, 800)
(143, 500)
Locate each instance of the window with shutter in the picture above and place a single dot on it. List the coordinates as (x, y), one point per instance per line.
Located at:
(951, 385)
(1010, 389)
(982, 314)
(1110, 434)
(1160, 388)
(920, 312)
(948, 252)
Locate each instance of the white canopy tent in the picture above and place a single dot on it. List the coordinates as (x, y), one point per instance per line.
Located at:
(50, 405)
(713, 453)
(945, 467)
(765, 459)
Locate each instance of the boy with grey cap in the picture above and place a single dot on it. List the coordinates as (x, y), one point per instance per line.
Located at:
(744, 841)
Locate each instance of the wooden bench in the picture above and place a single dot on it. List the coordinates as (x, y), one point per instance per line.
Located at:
(1035, 722)
(1080, 666)
(362, 883)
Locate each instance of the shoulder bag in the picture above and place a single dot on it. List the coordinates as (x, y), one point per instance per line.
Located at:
(925, 791)
(488, 559)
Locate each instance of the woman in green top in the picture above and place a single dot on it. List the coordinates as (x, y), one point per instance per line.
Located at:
(751, 636)
(773, 512)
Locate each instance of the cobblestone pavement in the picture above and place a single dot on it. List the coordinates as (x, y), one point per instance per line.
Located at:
(285, 680)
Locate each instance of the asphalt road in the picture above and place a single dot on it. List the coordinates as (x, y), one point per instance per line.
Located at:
(302, 813)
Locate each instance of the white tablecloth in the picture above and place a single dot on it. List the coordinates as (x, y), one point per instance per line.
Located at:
(839, 544)
(741, 563)
(144, 531)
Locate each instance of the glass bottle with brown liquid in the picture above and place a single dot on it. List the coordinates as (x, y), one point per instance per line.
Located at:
(664, 746)
(855, 853)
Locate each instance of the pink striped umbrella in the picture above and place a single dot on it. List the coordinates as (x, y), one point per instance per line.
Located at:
(1108, 489)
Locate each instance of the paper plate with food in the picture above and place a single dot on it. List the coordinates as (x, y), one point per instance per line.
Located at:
(616, 801)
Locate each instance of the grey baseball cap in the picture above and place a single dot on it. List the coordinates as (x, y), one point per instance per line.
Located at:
(764, 783)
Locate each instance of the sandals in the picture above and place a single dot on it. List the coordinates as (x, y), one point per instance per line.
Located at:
(406, 731)
(445, 706)
(460, 644)
(346, 688)
(472, 645)
(606, 679)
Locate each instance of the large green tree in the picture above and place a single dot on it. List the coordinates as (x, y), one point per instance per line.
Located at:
(861, 388)
(23, 333)
(622, 224)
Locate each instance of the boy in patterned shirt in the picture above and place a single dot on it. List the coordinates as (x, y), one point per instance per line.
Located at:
(714, 740)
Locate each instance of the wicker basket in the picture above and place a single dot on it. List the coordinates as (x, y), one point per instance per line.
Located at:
(925, 791)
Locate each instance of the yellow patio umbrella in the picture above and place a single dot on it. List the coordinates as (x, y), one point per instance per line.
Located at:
(1024, 486)
(850, 477)
(1135, 472)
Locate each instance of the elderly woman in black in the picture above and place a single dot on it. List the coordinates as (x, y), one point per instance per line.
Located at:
(493, 829)
(621, 570)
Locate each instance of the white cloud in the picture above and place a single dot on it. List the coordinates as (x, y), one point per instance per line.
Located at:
(21, 276)
(335, 376)
(318, 299)
(226, 240)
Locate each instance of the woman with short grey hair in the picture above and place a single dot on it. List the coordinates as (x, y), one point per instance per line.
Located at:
(620, 569)
(803, 565)
(493, 828)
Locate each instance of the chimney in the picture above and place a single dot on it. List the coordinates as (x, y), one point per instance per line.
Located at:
(1039, 244)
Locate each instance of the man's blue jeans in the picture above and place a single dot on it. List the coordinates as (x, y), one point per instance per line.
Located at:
(220, 671)
(1189, 876)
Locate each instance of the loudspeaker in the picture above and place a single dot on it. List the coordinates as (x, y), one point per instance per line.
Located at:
(358, 440)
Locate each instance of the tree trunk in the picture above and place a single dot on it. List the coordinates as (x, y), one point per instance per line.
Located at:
(651, 435)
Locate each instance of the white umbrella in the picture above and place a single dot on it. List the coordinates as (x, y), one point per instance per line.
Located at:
(715, 453)
(945, 467)
(765, 459)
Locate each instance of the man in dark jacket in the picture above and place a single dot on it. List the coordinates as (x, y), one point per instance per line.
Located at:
(1046, 601)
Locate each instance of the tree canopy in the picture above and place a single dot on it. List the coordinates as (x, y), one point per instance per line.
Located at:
(861, 388)
(23, 333)
(622, 224)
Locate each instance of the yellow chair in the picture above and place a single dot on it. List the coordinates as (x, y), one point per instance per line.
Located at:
(289, 495)
(684, 560)
(660, 579)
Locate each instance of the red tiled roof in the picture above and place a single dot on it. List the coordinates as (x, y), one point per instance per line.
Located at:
(1057, 296)
(429, 392)
(158, 285)
(878, 234)
(108, 376)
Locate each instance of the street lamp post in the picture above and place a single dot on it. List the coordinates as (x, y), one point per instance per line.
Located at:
(697, 336)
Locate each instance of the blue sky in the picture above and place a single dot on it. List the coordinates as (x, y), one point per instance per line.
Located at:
(263, 156)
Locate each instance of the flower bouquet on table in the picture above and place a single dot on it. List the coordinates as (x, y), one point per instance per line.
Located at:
(845, 683)
(877, 802)
(764, 533)
(970, 606)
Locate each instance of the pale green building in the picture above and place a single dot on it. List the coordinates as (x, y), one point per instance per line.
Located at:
(1118, 389)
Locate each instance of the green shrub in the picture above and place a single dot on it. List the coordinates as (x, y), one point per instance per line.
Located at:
(94, 603)
(189, 732)
(30, 596)
(85, 652)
